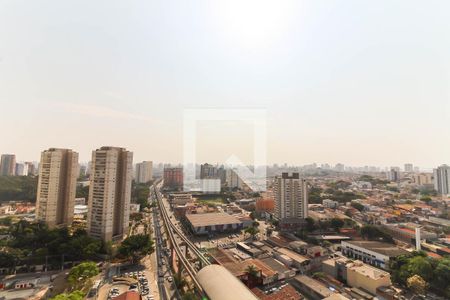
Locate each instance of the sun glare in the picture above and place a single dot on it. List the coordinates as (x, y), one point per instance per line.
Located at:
(252, 23)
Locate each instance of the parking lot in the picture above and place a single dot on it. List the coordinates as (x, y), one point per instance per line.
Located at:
(129, 280)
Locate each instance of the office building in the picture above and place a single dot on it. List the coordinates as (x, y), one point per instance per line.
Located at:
(208, 171)
(7, 165)
(291, 199)
(394, 174)
(409, 168)
(144, 172)
(58, 174)
(110, 193)
(442, 179)
(173, 178)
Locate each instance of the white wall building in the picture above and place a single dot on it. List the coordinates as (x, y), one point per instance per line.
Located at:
(442, 179)
(328, 203)
(144, 172)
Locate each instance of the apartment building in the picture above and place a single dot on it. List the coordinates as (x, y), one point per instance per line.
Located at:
(110, 193)
(442, 179)
(144, 172)
(7, 165)
(291, 200)
(58, 173)
(173, 178)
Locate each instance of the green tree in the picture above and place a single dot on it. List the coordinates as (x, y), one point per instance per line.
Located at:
(140, 193)
(79, 274)
(252, 271)
(189, 296)
(426, 199)
(442, 272)
(421, 266)
(136, 246)
(315, 195)
(310, 224)
(337, 224)
(371, 232)
(179, 281)
(358, 206)
(253, 231)
(18, 188)
(82, 191)
(75, 295)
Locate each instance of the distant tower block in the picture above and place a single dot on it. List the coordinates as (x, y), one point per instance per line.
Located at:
(418, 247)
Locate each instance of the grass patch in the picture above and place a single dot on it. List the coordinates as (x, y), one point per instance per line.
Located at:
(210, 199)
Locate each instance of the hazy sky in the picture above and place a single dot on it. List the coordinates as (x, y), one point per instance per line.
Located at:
(357, 82)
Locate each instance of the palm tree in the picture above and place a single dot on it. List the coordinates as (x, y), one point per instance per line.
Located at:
(179, 281)
(252, 276)
(252, 271)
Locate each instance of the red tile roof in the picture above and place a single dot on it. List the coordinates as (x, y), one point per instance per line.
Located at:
(129, 295)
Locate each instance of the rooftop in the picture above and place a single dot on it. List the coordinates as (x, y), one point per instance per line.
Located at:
(366, 270)
(314, 285)
(379, 247)
(291, 254)
(336, 297)
(129, 295)
(275, 265)
(209, 219)
(286, 293)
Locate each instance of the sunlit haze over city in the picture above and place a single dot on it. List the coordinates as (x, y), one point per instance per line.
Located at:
(224, 150)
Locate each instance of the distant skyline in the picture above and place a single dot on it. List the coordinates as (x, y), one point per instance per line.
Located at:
(342, 81)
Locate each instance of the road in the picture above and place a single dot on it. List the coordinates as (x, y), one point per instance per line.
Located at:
(179, 242)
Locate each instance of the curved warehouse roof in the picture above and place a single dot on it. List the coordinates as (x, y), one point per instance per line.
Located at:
(220, 284)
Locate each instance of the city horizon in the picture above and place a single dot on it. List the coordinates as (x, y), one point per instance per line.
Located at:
(370, 97)
(224, 150)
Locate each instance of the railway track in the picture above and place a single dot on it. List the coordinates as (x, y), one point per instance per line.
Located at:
(171, 230)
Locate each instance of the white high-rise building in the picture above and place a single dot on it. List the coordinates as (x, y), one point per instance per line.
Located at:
(291, 197)
(110, 193)
(442, 179)
(21, 169)
(409, 168)
(233, 180)
(58, 174)
(144, 172)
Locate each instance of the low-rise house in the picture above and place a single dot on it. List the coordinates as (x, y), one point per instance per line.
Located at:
(292, 259)
(277, 266)
(311, 287)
